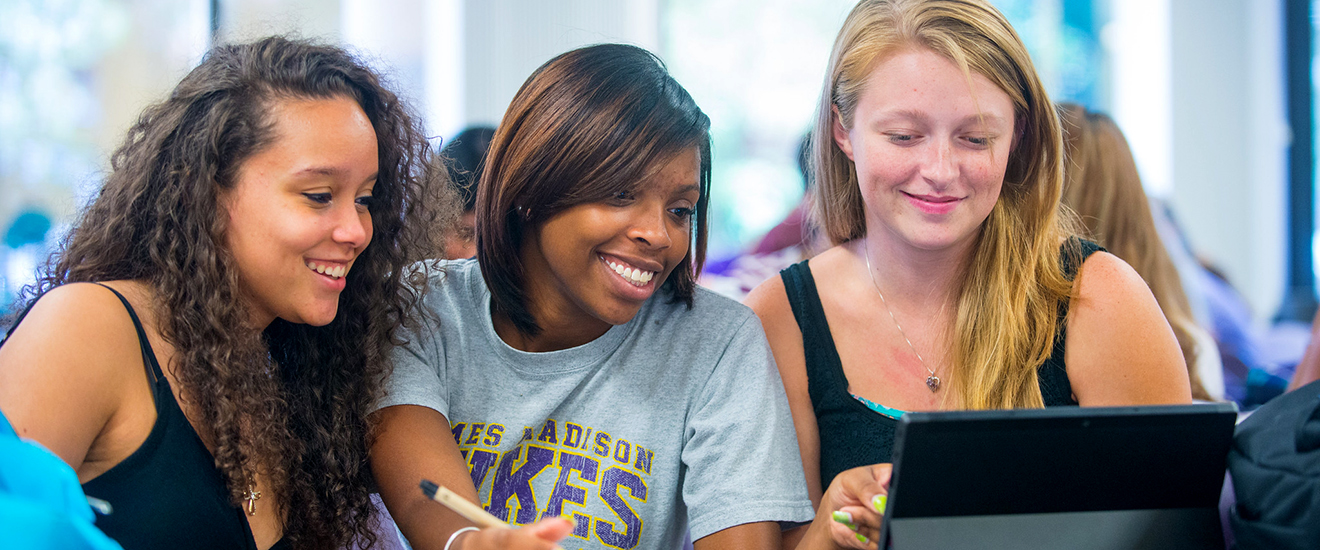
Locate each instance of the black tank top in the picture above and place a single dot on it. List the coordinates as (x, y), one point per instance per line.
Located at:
(853, 435)
(168, 494)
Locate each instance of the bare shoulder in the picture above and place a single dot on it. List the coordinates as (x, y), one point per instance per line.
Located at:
(1104, 275)
(66, 366)
(769, 299)
(1120, 349)
(80, 312)
(1108, 291)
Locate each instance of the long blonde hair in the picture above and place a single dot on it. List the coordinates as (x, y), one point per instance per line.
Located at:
(1010, 297)
(1102, 187)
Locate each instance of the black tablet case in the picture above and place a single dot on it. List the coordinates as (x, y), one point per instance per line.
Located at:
(1064, 477)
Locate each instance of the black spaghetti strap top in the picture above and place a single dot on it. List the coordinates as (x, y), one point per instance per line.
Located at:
(853, 435)
(168, 494)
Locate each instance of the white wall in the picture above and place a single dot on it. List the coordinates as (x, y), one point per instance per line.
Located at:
(1140, 49)
(165, 40)
(507, 39)
(1230, 139)
(461, 61)
(242, 20)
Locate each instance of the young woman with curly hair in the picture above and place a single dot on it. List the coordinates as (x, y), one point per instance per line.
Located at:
(205, 347)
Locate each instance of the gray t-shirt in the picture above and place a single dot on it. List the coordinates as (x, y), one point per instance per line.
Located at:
(676, 420)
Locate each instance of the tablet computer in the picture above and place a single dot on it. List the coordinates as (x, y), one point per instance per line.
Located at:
(1142, 478)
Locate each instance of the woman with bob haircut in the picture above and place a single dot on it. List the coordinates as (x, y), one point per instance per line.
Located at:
(953, 276)
(574, 369)
(1102, 187)
(206, 345)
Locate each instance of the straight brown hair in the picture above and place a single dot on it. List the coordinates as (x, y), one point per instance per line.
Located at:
(589, 124)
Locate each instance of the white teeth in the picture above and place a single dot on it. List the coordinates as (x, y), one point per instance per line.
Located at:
(332, 272)
(635, 276)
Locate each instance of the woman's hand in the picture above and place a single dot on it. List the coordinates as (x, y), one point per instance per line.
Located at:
(414, 443)
(541, 535)
(853, 505)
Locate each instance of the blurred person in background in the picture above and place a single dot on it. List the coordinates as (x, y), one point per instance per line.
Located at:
(1102, 187)
(462, 158)
(794, 239)
(796, 229)
(1308, 370)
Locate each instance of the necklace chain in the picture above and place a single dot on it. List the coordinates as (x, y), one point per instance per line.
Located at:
(932, 381)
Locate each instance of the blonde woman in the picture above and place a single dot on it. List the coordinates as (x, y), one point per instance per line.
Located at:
(953, 282)
(1102, 187)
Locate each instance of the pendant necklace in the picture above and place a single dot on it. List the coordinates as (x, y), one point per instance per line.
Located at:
(932, 381)
(251, 497)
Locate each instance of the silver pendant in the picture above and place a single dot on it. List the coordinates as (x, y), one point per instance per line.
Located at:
(933, 382)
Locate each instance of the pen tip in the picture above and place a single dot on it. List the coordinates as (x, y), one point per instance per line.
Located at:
(429, 487)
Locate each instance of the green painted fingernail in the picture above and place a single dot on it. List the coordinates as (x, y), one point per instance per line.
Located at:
(878, 502)
(842, 517)
(862, 539)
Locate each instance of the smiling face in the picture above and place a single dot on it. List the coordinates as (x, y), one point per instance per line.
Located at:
(298, 213)
(595, 264)
(930, 151)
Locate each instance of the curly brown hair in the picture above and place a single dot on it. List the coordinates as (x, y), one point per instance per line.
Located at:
(291, 400)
